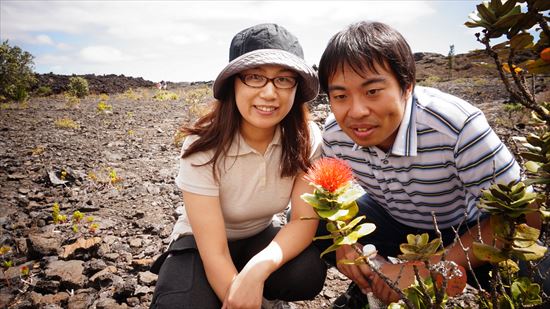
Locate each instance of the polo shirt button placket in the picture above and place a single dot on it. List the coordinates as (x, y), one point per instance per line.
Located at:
(385, 161)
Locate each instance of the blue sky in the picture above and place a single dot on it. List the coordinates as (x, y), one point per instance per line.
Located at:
(189, 40)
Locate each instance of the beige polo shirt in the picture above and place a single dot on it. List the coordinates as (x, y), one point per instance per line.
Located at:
(250, 188)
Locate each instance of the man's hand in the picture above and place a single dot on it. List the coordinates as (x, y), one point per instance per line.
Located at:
(405, 273)
(362, 275)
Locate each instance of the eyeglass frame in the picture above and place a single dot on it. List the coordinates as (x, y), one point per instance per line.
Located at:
(267, 79)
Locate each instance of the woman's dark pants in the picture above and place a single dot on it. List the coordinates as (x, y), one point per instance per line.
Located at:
(182, 281)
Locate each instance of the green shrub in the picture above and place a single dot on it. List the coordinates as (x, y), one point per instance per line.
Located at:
(78, 86)
(163, 95)
(430, 81)
(16, 72)
(43, 91)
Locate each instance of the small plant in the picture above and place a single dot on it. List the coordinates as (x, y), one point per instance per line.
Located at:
(113, 176)
(78, 87)
(5, 261)
(164, 95)
(132, 95)
(430, 81)
(43, 91)
(103, 97)
(508, 204)
(66, 123)
(25, 271)
(77, 220)
(103, 107)
(71, 101)
(527, 32)
(197, 100)
(451, 60)
(56, 214)
(38, 150)
(105, 176)
(444, 278)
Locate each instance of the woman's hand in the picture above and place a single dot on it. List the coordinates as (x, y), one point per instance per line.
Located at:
(245, 292)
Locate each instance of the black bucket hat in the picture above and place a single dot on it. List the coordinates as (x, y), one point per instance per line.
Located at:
(268, 44)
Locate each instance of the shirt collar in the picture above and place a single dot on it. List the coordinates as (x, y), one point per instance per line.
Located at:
(405, 143)
(240, 147)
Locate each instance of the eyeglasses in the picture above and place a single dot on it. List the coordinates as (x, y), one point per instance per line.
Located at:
(259, 81)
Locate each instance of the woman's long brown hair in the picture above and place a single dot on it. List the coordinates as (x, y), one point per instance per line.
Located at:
(218, 127)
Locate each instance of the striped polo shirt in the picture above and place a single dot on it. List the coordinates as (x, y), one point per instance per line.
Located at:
(444, 154)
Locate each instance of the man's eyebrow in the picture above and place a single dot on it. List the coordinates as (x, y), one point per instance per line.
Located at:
(367, 82)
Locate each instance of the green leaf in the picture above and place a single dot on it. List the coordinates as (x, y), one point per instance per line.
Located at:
(354, 192)
(526, 232)
(330, 236)
(486, 14)
(501, 227)
(535, 140)
(333, 214)
(471, 24)
(505, 302)
(541, 181)
(313, 200)
(352, 224)
(364, 229)
(509, 7)
(521, 41)
(532, 166)
(507, 22)
(501, 195)
(488, 253)
(333, 247)
(532, 253)
(539, 66)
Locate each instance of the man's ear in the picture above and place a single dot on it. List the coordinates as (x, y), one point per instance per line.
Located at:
(407, 93)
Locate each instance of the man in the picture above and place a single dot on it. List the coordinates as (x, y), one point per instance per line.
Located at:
(414, 150)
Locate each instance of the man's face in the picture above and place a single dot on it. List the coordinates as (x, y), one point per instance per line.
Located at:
(368, 108)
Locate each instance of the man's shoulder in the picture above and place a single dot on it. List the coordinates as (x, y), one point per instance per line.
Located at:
(437, 100)
(331, 125)
(436, 108)
(333, 134)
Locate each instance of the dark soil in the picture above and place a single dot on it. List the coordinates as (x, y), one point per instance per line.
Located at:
(135, 206)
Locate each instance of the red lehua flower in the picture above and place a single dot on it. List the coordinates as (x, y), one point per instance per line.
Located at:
(329, 173)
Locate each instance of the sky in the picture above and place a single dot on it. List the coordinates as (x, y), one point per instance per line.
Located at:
(189, 40)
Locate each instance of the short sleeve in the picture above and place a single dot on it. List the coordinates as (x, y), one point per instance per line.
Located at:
(193, 176)
(316, 141)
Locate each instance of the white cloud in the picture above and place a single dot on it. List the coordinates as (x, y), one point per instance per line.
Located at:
(103, 54)
(44, 39)
(187, 40)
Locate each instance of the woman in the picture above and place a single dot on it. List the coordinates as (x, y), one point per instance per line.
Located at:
(241, 164)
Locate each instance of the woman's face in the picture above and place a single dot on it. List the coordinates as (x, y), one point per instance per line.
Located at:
(263, 107)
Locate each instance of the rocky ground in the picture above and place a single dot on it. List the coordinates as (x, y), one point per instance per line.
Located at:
(117, 169)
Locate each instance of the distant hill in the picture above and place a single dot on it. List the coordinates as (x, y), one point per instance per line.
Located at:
(473, 64)
(109, 84)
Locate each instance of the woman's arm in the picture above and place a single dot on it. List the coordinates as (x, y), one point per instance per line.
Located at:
(206, 219)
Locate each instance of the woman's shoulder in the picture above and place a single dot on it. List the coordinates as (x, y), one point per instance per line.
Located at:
(188, 140)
